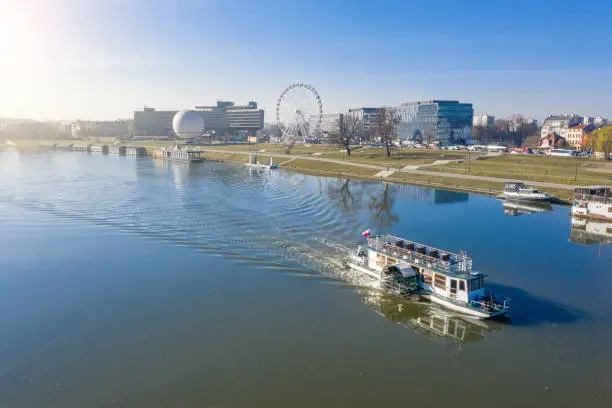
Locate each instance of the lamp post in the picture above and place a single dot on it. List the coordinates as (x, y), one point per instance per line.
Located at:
(576, 172)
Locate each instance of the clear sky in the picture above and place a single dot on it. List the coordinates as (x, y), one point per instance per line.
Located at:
(102, 59)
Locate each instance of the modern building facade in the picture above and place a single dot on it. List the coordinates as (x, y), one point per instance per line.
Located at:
(436, 121)
(227, 118)
(483, 120)
(330, 123)
(224, 118)
(151, 122)
(368, 118)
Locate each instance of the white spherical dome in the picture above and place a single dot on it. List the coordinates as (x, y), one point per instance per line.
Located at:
(188, 123)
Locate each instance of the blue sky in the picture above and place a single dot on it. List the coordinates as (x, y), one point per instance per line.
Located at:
(97, 59)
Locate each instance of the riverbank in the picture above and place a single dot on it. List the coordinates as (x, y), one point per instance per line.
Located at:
(478, 173)
(320, 165)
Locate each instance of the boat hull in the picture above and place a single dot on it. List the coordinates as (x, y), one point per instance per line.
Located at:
(466, 310)
(364, 270)
(540, 199)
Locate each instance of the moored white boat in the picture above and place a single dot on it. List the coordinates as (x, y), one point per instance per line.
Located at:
(414, 270)
(518, 191)
(594, 203)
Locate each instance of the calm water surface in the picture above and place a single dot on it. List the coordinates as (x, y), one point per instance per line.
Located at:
(129, 282)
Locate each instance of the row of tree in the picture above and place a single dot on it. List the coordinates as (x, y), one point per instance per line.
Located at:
(351, 130)
(512, 132)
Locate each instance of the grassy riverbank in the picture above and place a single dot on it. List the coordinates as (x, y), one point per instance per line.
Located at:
(558, 170)
(561, 170)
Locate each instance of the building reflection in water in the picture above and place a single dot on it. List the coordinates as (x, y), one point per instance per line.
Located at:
(180, 171)
(516, 208)
(588, 232)
(437, 324)
(433, 196)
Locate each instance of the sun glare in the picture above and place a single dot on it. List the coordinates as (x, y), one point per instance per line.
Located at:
(9, 39)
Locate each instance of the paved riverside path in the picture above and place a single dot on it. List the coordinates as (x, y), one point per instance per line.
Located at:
(390, 170)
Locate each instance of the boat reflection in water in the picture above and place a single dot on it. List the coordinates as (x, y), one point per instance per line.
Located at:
(588, 232)
(438, 324)
(516, 208)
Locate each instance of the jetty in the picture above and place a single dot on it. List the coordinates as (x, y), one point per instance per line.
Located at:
(179, 153)
(253, 162)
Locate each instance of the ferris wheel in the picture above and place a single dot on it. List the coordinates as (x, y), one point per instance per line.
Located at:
(298, 112)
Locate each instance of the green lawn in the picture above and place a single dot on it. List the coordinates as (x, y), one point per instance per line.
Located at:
(399, 157)
(276, 148)
(329, 168)
(453, 183)
(562, 170)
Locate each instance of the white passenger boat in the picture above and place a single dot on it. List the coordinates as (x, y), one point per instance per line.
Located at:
(414, 270)
(518, 191)
(594, 203)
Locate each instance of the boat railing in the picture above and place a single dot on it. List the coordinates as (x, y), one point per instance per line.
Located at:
(443, 261)
(491, 306)
(604, 199)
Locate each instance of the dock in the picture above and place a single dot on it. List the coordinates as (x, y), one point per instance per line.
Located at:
(253, 162)
(135, 151)
(80, 147)
(178, 153)
(99, 148)
(116, 150)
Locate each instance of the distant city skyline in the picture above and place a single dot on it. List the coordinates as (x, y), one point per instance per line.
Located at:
(101, 60)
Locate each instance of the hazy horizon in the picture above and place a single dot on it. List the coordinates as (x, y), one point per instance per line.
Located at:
(104, 59)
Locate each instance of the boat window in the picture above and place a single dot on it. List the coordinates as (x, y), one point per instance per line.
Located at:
(453, 286)
(462, 285)
(427, 277)
(380, 260)
(476, 284)
(440, 281)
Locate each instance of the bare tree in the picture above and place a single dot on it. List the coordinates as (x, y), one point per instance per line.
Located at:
(381, 206)
(386, 126)
(340, 193)
(349, 126)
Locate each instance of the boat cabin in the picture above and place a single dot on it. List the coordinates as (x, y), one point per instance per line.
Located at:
(517, 186)
(600, 194)
(443, 273)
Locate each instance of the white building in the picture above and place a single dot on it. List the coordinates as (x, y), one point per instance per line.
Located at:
(483, 120)
(225, 117)
(558, 124)
(598, 120)
(330, 123)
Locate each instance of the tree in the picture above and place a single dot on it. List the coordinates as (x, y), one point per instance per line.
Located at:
(386, 125)
(339, 191)
(381, 205)
(350, 126)
(600, 140)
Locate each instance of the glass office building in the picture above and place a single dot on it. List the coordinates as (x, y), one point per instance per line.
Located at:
(444, 122)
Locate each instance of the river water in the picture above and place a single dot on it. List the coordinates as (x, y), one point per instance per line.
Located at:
(137, 283)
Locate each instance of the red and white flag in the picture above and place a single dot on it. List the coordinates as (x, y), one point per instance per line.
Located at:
(366, 233)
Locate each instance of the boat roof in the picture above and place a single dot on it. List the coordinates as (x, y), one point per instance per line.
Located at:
(414, 253)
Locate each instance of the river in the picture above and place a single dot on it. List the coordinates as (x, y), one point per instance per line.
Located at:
(138, 283)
